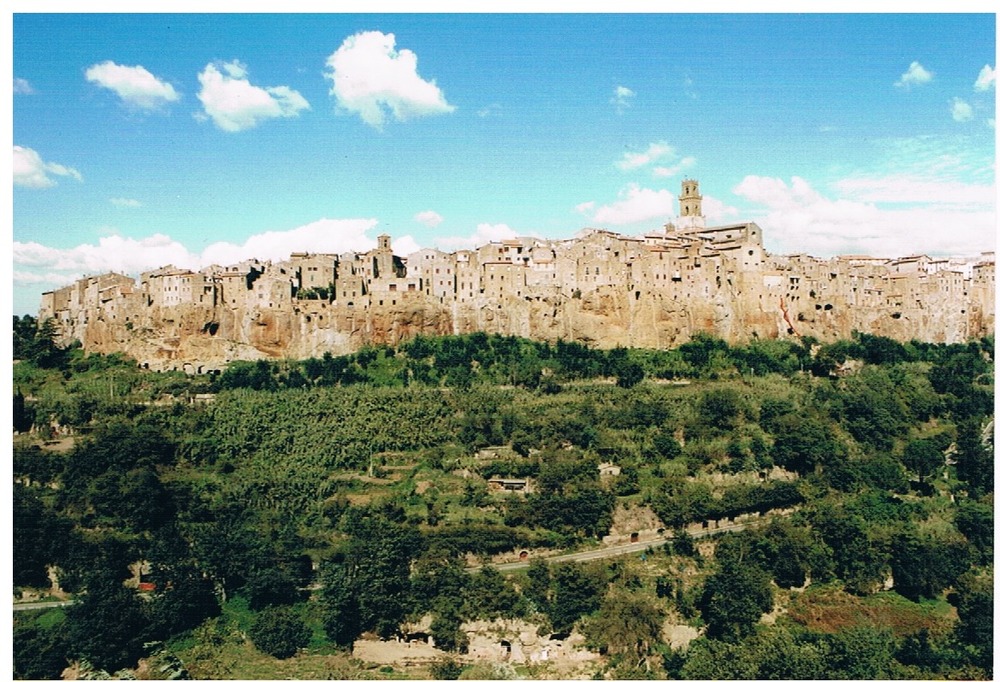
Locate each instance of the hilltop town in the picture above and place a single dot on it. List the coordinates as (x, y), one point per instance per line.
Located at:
(601, 288)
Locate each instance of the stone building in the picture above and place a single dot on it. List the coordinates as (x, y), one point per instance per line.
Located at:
(601, 288)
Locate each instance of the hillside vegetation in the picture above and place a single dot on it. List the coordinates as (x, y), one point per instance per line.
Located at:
(257, 523)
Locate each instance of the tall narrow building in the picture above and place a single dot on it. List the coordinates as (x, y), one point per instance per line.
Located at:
(690, 206)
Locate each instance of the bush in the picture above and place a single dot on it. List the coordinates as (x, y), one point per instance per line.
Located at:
(446, 670)
(280, 632)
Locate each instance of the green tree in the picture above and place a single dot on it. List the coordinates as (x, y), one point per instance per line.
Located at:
(269, 584)
(665, 446)
(720, 408)
(923, 457)
(341, 618)
(39, 652)
(107, 624)
(373, 579)
(183, 600)
(278, 631)
(862, 653)
(24, 415)
(973, 599)
(861, 558)
(574, 594)
(734, 599)
(446, 628)
(629, 374)
(802, 443)
(38, 536)
(975, 520)
(628, 625)
(923, 565)
(974, 459)
(489, 595)
(539, 581)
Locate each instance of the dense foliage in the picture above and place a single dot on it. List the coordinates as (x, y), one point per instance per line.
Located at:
(303, 504)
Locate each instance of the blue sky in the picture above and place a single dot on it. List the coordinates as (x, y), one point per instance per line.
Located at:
(146, 139)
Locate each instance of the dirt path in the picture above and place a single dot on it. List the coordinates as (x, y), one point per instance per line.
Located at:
(630, 548)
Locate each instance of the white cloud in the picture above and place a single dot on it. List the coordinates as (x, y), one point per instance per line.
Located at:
(912, 189)
(716, 212)
(622, 98)
(120, 202)
(234, 104)
(50, 279)
(485, 233)
(798, 218)
(133, 84)
(429, 218)
(111, 253)
(35, 263)
(31, 171)
(676, 169)
(405, 245)
(689, 87)
(915, 75)
(635, 205)
(370, 77)
(961, 110)
(321, 236)
(986, 80)
(23, 87)
(633, 160)
(489, 110)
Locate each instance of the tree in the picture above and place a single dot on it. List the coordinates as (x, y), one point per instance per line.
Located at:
(24, 416)
(38, 536)
(539, 581)
(861, 653)
(923, 457)
(278, 631)
(446, 628)
(341, 620)
(665, 446)
(975, 520)
(107, 625)
(269, 585)
(629, 374)
(802, 443)
(702, 350)
(39, 653)
(371, 583)
(448, 669)
(183, 600)
(574, 594)
(923, 566)
(769, 654)
(720, 408)
(627, 625)
(734, 599)
(489, 595)
(974, 460)
(973, 599)
(860, 558)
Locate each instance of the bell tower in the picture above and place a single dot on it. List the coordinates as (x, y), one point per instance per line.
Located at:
(690, 205)
(690, 200)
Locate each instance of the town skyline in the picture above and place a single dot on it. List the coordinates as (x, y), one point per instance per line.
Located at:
(203, 139)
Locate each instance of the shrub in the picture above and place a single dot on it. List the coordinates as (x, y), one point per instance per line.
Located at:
(278, 631)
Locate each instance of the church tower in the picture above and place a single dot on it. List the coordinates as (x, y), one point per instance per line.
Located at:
(382, 262)
(690, 205)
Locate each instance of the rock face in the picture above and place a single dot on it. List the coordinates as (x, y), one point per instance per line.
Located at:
(602, 289)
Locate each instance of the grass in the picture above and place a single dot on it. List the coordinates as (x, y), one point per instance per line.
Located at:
(828, 609)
